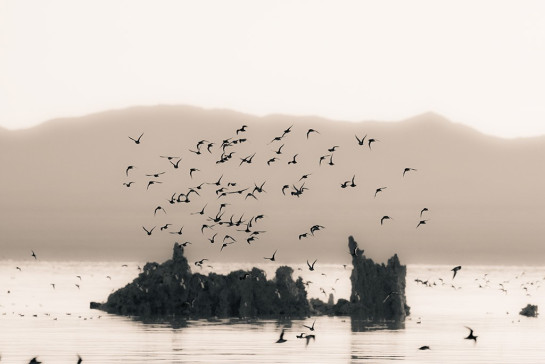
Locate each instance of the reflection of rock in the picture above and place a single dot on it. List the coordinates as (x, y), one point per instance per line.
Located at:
(529, 311)
(171, 289)
(372, 283)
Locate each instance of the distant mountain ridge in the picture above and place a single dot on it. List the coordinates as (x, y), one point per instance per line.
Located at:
(62, 192)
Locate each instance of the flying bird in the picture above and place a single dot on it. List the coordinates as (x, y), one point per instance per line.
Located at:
(158, 208)
(148, 231)
(379, 190)
(128, 169)
(284, 189)
(470, 336)
(425, 347)
(128, 184)
(281, 339)
(152, 183)
(137, 141)
(288, 130)
(272, 259)
(372, 141)
(242, 129)
(279, 151)
(177, 164)
(422, 222)
(191, 170)
(311, 267)
(311, 328)
(361, 141)
(308, 337)
(312, 131)
(293, 161)
(33, 255)
(423, 210)
(408, 170)
(385, 218)
(455, 270)
(156, 175)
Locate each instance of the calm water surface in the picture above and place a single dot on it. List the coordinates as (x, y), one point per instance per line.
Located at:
(56, 324)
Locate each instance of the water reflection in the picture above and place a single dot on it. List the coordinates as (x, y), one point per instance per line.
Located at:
(359, 325)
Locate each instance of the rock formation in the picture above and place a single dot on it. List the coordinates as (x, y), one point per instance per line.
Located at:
(171, 289)
(529, 311)
(378, 292)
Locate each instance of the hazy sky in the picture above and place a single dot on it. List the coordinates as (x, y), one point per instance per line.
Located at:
(476, 62)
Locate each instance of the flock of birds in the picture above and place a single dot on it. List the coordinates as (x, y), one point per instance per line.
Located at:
(222, 228)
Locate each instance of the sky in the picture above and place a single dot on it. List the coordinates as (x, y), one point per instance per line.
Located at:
(475, 62)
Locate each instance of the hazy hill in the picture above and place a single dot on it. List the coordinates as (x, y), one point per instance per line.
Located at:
(62, 195)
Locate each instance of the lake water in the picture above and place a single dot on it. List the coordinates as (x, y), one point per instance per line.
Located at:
(56, 324)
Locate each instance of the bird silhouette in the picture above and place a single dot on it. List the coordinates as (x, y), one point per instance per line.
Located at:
(247, 159)
(80, 360)
(380, 189)
(279, 150)
(322, 158)
(148, 231)
(425, 347)
(191, 170)
(179, 232)
(156, 175)
(312, 131)
(281, 339)
(177, 164)
(287, 131)
(199, 212)
(128, 184)
(158, 208)
(35, 360)
(128, 169)
(385, 218)
(33, 255)
(372, 141)
(455, 270)
(362, 140)
(423, 210)
(311, 328)
(137, 141)
(422, 222)
(311, 266)
(408, 170)
(471, 336)
(242, 129)
(272, 259)
(308, 337)
(293, 161)
(284, 189)
(168, 157)
(332, 149)
(152, 183)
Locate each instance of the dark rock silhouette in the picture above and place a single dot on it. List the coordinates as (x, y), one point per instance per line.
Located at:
(529, 311)
(171, 289)
(372, 283)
